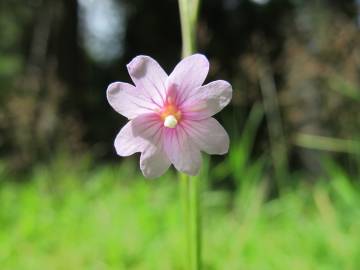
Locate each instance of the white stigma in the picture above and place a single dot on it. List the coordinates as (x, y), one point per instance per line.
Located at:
(170, 121)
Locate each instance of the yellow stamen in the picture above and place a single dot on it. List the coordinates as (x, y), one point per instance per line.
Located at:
(170, 109)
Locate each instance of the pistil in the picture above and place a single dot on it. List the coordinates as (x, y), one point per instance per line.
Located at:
(170, 121)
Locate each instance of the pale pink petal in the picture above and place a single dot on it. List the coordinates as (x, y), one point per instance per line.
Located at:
(181, 151)
(208, 135)
(188, 75)
(127, 144)
(147, 126)
(207, 100)
(137, 135)
(154, 161)
(128, 100)
(148, 75)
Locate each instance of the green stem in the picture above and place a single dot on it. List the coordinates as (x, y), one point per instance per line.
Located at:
(188, 17)
(190, 189)
(196, 217)
(190, 186)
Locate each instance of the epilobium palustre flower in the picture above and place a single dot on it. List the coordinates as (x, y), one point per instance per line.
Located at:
(170, 116)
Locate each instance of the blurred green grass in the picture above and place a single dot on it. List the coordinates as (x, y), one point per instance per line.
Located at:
(74, 215)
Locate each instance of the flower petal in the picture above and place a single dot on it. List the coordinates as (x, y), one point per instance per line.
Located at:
(148, 75)
(154, 162)
(188, 75)
(181, 151)
(208, 135)
(127, 144)
(128, 100)
(207, 100)
(137, 135)
(148, 127)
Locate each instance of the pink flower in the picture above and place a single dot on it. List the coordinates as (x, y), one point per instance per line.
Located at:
(170, 116)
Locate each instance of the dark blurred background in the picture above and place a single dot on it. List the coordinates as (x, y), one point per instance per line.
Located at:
(298, 60)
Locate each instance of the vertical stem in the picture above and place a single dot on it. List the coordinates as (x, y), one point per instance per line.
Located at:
(196, 218)
(190, 193)
(184, 185)
(190, 186)
(188, 17)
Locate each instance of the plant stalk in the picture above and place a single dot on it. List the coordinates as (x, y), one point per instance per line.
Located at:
(188, 19)
(190, 193)
(190, 186)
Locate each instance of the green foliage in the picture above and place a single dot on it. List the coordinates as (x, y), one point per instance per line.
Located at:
(71, 216)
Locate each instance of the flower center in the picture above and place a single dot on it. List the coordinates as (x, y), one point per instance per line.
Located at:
(170, 121)
(170, 114)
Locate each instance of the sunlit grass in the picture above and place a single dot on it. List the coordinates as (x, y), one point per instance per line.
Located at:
(74, 216)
